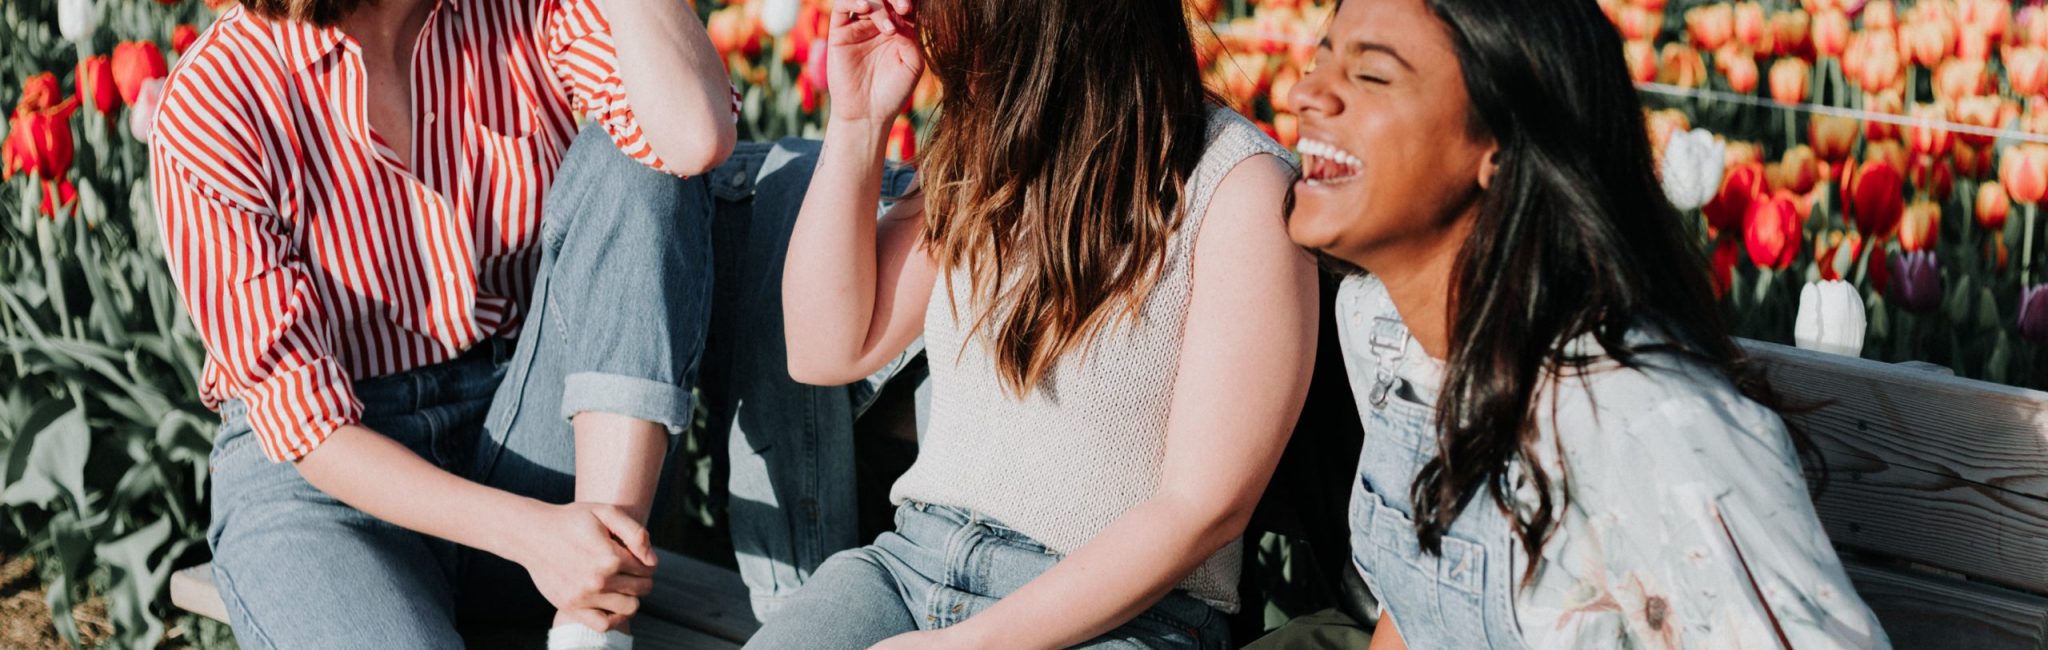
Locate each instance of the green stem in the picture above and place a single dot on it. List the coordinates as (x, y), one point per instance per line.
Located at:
(2027, 248)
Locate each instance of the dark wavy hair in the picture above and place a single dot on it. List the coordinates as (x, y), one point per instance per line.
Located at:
(321, 13)
(1573, 237)
(1057, 165)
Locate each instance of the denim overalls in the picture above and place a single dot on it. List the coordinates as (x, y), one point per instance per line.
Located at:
(1463, 597)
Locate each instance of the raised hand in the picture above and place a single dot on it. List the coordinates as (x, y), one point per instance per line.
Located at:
(874, 61)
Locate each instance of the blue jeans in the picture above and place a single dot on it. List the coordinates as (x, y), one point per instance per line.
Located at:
(941, 566)
(617, 323)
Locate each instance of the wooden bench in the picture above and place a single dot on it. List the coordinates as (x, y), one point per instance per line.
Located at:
(695, 605)
(1937, 497)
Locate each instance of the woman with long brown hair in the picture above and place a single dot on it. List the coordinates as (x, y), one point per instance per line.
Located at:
(1106, 410)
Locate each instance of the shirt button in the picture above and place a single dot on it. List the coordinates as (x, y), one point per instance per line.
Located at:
(430, 117)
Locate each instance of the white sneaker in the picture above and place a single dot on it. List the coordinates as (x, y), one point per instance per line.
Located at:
(575, 636)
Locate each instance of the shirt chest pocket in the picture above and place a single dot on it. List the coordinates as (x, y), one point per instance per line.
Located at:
(1439, 599)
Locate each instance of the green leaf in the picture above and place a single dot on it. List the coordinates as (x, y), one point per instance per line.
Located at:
(27, 480)
(1987, 311)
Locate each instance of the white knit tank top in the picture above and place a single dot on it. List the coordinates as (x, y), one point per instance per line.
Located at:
(1065, 460)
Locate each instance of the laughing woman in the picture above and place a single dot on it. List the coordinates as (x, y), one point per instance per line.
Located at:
(1564, 448)
(1119, 331)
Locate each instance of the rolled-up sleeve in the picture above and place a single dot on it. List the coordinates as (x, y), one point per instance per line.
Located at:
(579, 43)
(253, 302)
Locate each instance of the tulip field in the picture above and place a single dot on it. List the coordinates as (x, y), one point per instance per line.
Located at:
(1863, 176)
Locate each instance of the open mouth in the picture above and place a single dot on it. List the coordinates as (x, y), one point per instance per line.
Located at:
(1323, 163)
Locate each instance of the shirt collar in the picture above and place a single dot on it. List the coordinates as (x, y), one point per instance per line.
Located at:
(306, 44)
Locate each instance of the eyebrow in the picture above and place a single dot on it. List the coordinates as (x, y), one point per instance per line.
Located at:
(1355, 48)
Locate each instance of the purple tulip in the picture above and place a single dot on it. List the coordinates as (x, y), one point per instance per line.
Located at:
(2033, 318)
(1916, 281)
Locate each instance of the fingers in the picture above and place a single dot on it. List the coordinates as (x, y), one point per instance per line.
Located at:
(591, 618)
(621, 606)
(628, 531)
(636, 586)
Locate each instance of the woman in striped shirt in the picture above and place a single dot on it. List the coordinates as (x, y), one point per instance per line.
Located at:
(350, 195)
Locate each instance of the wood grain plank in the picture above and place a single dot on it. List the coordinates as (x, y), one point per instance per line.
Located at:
(702, 596)
(1946, 472)
(1936, 613)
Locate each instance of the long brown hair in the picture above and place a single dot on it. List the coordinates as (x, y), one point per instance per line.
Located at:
(321, 13)
(1057, 162)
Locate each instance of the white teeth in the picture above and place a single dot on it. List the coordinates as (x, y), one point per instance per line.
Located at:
(1322, 149)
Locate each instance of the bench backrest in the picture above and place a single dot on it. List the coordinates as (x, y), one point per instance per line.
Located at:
(1937, 494)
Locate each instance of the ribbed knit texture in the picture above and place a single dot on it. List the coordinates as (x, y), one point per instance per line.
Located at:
(1087, 444)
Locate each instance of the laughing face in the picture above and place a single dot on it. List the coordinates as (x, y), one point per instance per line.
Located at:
(1391, 166)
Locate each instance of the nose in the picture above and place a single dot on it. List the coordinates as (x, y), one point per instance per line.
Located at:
(1312, 96)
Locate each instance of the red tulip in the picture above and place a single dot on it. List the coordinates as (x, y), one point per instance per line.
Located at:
(2023, 169)
(134, 63)
(2026, 68)
(182, 38)
(95, 81)
(1932, 176)
(1832, 137)
(39, 143)
(1972, 161)
(58, 196)
(1789, 80)
(1920, 226)
(39, 93)
(1711, 25)
(1873, 196)
(1771, 231)
(1742, 186)
(902, 140)
(1993, 206)
(1830, 33)
(1723, 266)
(1739, 67)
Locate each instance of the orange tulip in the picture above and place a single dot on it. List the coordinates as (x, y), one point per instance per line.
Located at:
(1792, 33)
(1739, 67)
(1890, 152)
(1641, 56)
(1932, 176)
(1680, 65)
(1750, 28)
(1830, 33)
(1880, 14)
(95, 81)
(1711, 25)
(1662, 124)
(1639, 24)
(1960, 78)
(1789, 80)
(1736, 154)
(1993, 206)
(1287, 128)
(2032, 23)
(1837, 256)
(1972, 44)
(1980, 112)
(1919, 226)
(1929, 42)
(1743, 185)
(1798, 171)
(2026, 68)
(38, 93)
(1832, 137)
(1872, 198)
(1771, 231)
(1927, 136)
(1878, 66)
(182, 37)
(1994, 250)
(1723, 266)
(1988, 16)
(136, 62)
(1892, 102)
(926, 96)
(2023, 170)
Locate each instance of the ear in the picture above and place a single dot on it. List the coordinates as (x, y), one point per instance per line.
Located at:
(1489, 164)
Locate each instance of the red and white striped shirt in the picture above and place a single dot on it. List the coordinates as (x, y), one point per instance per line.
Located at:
(306, 251)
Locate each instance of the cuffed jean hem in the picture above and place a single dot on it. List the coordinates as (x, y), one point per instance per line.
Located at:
(665, 404)
(766, 605)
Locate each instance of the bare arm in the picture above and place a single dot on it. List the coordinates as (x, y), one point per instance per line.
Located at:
(854, 291)
(1387, 636)
(1243, 376)
(667, 64)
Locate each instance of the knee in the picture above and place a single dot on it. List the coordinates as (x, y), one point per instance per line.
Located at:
(600, 188)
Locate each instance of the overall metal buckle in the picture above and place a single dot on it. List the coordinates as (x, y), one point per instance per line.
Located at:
(1388, 343)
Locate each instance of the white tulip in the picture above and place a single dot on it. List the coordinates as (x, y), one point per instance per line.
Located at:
(1691, 168)
(142, 115)
(1831, 318)
(77, 19)
(778, 16)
